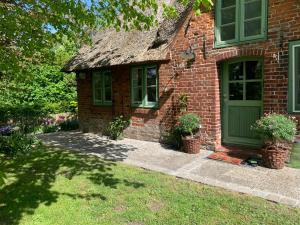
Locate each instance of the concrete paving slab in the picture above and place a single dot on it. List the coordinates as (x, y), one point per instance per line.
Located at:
(282, 186)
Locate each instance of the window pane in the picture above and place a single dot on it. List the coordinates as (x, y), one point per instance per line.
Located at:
(98, 94)
(227, 32)
(108, 87)
(151, 93)
(108, 97)
(151, 76)
(97, 86)
(137, 94)
(107, 80)
(253, 70)
(253, 9)
(252, 27)
(297, 78)
(228, 16)
(236, 91)
(137, 77)
(137, 82)
(151, 84)
(254, 91)
(236, 71)
(226, 3)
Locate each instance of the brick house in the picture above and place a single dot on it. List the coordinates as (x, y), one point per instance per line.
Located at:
(235, 62)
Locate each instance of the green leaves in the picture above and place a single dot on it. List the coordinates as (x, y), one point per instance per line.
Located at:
(276, 127)
(2, 178)
(29, 28)
(188, 124)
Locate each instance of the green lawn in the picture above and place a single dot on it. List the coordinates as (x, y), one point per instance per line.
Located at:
(295, 157)
(59, 187)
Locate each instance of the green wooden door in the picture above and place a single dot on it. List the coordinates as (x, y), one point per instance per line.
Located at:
(242, 100)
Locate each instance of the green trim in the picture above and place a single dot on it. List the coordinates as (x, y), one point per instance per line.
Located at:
(101, 75)
(291, 78)
(239, 25)
(233, 103)
(144, 103)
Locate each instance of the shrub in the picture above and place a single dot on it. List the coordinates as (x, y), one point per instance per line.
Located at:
(6, 131)
(50, 128)
(17, 143)
(2, 178)
(26, 117)
(70, 124)
(276, 128)
(173, 139)
(188, 124)
(117, 126)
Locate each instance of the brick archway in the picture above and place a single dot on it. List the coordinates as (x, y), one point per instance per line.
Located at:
(222, 55)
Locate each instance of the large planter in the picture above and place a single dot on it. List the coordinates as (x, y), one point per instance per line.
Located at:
(276, 154)
(191, 145)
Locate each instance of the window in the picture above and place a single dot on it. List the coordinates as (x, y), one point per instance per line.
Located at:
(294, 77)
(240, 20)
(102, 88)
(245, 80)
(144, 86)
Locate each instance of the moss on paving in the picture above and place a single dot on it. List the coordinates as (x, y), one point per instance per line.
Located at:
(52, 186)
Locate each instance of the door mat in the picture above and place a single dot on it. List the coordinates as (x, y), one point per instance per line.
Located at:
(225, 157)
(235, 155)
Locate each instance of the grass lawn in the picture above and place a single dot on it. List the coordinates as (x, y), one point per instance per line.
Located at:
(60, 187)
(295, 157)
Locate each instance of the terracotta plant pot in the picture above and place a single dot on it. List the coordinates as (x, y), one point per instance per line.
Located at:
(275, 154)
(191, 145)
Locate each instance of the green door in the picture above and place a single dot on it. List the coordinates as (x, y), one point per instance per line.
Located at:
(242, 100)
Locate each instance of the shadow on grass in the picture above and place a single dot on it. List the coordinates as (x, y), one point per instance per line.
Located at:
(31, 178)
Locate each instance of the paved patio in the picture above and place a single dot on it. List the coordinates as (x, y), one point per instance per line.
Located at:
(281, 186)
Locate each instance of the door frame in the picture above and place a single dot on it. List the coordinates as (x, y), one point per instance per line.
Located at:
(224, 116)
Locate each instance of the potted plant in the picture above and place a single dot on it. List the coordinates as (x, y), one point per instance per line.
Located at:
(188, 125)
(278, 133)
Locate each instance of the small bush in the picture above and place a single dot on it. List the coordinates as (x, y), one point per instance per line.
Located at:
(17, 143)
(50, 128)
(2, 178)
(6, 131)
(68, 125)
(117, 126)
(276, 128)
(173, 139)
(188, 124)
(27, 117)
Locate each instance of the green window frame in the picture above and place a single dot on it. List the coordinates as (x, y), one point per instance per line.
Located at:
(294, 77)
(239, 21)
(102, 88)
(144, 86)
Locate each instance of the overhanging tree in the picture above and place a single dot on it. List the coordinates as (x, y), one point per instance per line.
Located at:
(29, 28)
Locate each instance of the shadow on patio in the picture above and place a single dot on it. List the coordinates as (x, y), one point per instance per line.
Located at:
(88, 143)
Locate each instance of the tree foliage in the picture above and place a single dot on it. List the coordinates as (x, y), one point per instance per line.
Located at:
(29, 28)
(45, 88)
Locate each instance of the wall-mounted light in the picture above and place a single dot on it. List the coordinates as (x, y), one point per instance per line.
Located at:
(188, 55)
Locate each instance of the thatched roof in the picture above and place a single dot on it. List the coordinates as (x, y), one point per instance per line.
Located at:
(110, 48)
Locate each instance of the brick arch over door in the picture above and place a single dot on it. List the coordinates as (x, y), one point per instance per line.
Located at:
(224, 55)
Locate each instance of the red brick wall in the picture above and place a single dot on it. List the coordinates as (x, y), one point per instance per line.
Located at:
(201, 79)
